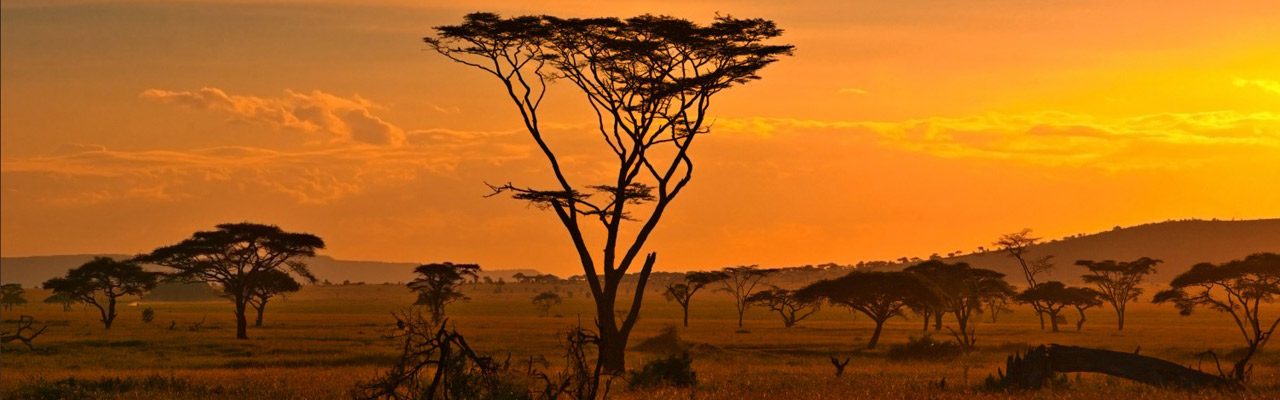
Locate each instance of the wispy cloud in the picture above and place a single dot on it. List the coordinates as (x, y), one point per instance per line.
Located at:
(335, 118)
(1264, 84)
(852, 90)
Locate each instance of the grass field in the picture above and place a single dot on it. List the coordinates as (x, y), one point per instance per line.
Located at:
(319, 342)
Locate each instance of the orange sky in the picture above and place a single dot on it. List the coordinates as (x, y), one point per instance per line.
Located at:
(898, 129)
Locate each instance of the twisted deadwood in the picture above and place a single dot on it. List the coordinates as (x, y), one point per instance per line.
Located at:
(1032, 369)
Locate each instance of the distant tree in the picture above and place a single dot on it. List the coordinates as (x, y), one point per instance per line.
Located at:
(488, 280)
(12, 294)
(1018, 245)
(740, 282)
(964, 292)
(1052, 296)
(267, 285)
(148, 315)
(1236, 287)
(544, 301)
(878, 295)
(233, 255)
(1083, 298)
(101, 281)
(998, 304)
(792, 309)
(1117, 282)
(66, 300)
(520, 277)
(497, 286)
(682, 292)
(437, 285)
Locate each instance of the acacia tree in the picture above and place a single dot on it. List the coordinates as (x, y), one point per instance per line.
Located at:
(1053, 296)
(12, 294)
(1083, 298)
(544, 301)
(105, 277)
(269, 284)
(234, 256)
(682, 293)
(1018, 245)
(878, 295)
(649, 81)
(1237, 287)
(437, 285)
(740, 282)
(964, 291)
(792, 309)
(66, 300)
(1117, 282)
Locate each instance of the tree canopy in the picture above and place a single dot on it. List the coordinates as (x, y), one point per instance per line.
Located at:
(99, 282)
(1117, 281)
(437, 285)
(878, 295)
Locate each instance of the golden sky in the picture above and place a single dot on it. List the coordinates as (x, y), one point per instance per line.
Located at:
(899, 128)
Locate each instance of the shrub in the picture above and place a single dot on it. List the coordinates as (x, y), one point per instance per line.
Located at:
(148, 315)
(925, 348)
(675, 370)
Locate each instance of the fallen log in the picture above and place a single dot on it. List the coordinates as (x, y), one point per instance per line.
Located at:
(1038, 365)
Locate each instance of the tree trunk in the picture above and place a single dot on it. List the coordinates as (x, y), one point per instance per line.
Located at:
(1080, 323)
(242, 323)
(260, 307)
(740, 311)
(686, 316)
(937, 321)
(1053, 321)
(925, 317)
(1039, 364)
(109, 315)
(875, 336)
(1119, 319)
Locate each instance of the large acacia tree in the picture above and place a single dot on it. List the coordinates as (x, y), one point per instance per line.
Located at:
(1117, 281)
(437, 285)
(1238, 288)
(965, 290)
(878, 295)
(101, 281)
(649, 81)
(237, 256)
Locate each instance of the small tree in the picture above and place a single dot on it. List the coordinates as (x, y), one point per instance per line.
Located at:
(61, 298)
(107, 278)
(964, 291)
(1083, 298)
(792, 309)
(1052, 297)
(233, 255)
(878, 295)
(1018, 245)
(268, 284)
(1236, 287)
(1117, 282)
(438, 285)
(997, 305)
(740, 282)
(544, 301)
(682, 293)
(148, 315)
(12, 294)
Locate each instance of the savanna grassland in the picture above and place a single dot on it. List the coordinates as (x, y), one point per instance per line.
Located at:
(318, 343)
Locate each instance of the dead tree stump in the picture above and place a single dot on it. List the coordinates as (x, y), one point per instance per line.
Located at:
(1038, 365)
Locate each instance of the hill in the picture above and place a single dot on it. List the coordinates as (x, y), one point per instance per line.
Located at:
(1180, 244)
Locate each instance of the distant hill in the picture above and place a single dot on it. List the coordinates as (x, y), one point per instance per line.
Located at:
(1180, 244)
(31, 271)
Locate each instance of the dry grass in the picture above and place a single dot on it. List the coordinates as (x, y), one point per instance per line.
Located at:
(318, 343)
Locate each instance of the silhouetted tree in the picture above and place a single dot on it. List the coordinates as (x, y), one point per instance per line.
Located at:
(649, 81)
(437, 285)
(148, 315)
(66, 300)
(1117, 282)
(101, 281)
(740, 282)
(267, 285)
(233, 255)
(12, 294)
(792, 309)
(1018, 245)
(1083, 298)
(544, 301)
(1052, 296)
(997, 304)
(682, 293)
(1237, 287)
(965, 290)
(878, 295)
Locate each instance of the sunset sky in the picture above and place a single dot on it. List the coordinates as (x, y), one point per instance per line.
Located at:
(899, 128)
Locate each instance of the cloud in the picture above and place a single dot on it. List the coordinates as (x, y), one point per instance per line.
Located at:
(852, 90)
(1264, 84)
(1056, 138)
(338, 119)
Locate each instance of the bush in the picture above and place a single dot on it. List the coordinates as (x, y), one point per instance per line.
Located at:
(148, 315)
(676, 370)
(925, 348)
